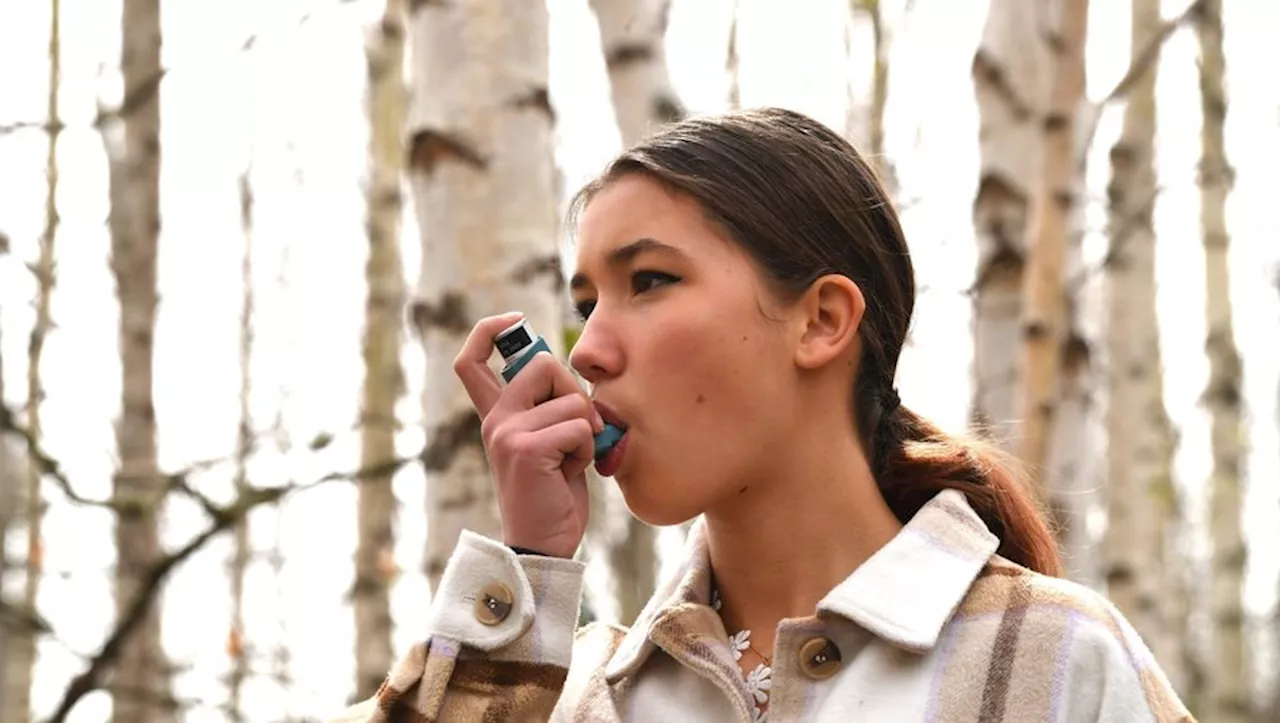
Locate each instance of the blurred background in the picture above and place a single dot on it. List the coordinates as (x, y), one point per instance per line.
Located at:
(241, 242)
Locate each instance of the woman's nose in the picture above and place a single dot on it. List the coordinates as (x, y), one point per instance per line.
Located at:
(596, 354)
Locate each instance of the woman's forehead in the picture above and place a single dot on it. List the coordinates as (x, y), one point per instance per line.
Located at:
(634, 209)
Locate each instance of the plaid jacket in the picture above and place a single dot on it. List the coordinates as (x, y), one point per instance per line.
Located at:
(934, 627)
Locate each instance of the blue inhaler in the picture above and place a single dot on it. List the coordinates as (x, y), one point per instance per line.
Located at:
(517, 344)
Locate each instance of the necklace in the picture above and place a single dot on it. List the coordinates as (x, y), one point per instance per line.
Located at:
(760, 680)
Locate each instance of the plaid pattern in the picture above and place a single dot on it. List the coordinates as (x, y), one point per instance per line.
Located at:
(934, 627)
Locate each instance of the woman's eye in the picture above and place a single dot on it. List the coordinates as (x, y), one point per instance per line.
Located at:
(642, 281)
(585, 308)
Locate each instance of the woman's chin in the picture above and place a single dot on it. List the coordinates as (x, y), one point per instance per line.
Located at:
(654, 511)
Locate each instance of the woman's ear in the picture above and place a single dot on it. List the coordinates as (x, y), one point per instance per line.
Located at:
(831, 311)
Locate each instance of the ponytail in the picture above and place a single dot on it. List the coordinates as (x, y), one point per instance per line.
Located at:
(914, 460)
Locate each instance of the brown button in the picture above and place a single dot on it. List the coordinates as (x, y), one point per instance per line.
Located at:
(819, 658)
(493, 605)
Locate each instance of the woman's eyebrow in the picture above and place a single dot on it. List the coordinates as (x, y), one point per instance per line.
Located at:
(627, 253)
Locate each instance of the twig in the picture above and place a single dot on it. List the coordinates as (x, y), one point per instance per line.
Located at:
(1140, 64)
(223, 519)
(125, 505)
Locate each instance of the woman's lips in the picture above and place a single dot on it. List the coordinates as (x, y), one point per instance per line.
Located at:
(607, 466)
(609, 416)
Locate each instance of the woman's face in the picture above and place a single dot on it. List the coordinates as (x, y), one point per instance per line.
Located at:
(679, 350)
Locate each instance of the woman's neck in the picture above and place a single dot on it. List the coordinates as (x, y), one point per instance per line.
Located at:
(781, 545)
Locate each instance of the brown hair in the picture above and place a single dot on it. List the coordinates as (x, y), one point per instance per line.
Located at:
(804, 203)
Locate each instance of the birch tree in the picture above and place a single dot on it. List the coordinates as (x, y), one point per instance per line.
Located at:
(1045, 317)
(242, 544)
(21, 649)
(864, 120)
(1142, 506)
(13, 685)
(1010, 78)
(140, 683)
(632, 37)
(1055, 403)
(731, 68)
(383, 375)
(1031, 363)
(483, 182)
(1229, 677)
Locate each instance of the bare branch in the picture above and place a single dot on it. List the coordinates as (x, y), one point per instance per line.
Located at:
(125, 505)
(223, 518)
(1143, 62)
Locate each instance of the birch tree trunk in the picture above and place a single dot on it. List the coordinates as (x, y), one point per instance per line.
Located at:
(864, 122)
(13, 705)
(1029, 83)
(1010, 78)
(1229, 677)
(21, 648)
(241, 545)
(140, 683)
(383, 375)
(731, 67)
(1142, 506)
(632, 35)
(1046, 324)
(1056, 400)
(1071, 469)
(483, 180)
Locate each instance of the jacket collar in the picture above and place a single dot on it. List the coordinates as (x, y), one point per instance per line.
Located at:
(905, 593)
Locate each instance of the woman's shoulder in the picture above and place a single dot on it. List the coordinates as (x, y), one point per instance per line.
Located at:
(1003, 584)
(1067, 635)
(1046, 610)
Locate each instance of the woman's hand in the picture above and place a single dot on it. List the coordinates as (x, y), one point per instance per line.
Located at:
(537, 434)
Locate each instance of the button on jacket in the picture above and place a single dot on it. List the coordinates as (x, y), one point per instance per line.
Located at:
(934, 627)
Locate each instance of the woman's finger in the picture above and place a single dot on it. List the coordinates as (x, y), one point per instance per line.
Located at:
(560, 409)
(542, 379)
(572, 438)
(472, 363)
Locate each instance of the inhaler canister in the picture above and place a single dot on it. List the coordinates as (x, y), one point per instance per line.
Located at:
(517, 344)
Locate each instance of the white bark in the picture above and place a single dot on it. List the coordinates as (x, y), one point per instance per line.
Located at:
(383, 375)
(632, 38)
(140, 684)
(15, 686)
(1230, 700)
(1054, 404)
(483, 182)
(21, 649)
(864, 120)
(732, 68)
(1011, 82)
(1032, 369)
(241, 544)
(1142, 506)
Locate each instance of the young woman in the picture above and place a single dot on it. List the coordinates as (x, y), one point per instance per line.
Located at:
(747, 290)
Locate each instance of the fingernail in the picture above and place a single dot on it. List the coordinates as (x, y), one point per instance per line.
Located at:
(599, 420)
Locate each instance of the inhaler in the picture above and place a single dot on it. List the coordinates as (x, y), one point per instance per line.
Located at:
(517, 344)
